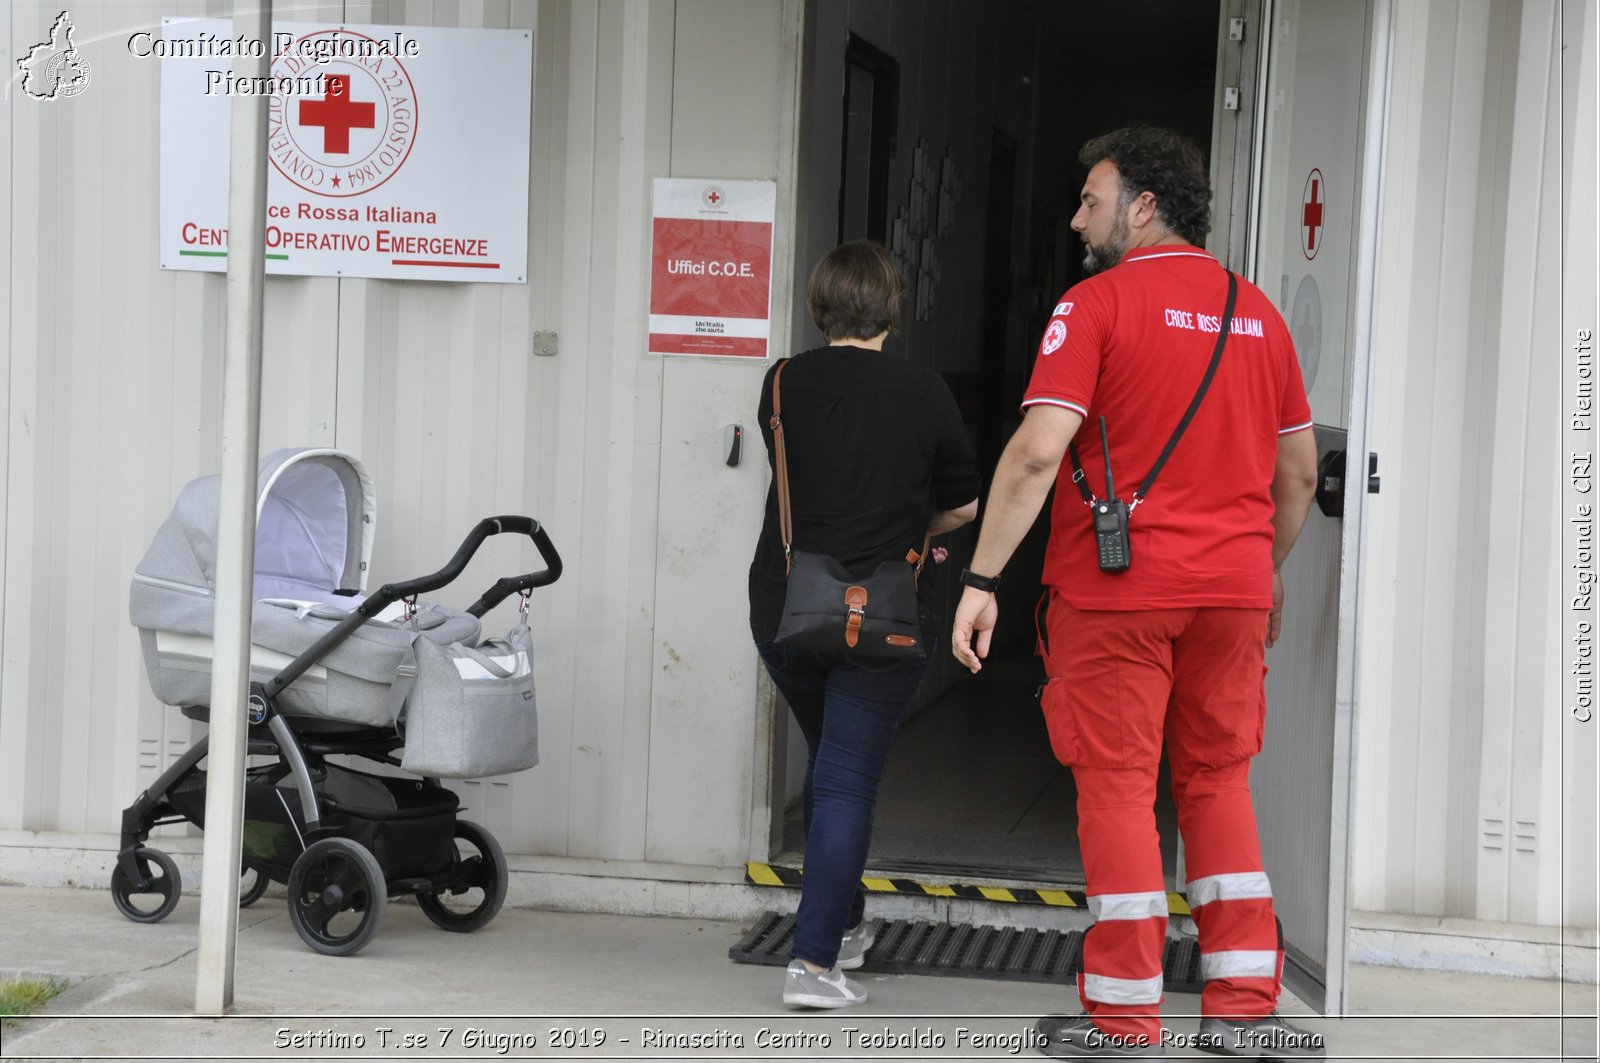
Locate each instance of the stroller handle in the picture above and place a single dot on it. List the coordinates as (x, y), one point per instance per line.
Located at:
(390, 593)
(509, 585)
(393, 592)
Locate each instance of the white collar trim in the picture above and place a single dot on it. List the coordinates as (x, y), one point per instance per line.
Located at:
(1169, 254)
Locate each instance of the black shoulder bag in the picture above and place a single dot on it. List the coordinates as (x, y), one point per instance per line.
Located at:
(1109, 515)
(823, 607)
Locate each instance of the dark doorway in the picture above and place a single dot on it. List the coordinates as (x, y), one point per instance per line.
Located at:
(998, 222)
(972, 790)
(871, 110)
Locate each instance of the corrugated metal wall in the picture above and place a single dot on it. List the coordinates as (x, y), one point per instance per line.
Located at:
(110, 386)
(112, 381)
(708, 740)
(1580, 190)
(1461, 737)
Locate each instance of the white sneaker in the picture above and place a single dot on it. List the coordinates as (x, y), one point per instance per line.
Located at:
(830, 989)
(853, 949)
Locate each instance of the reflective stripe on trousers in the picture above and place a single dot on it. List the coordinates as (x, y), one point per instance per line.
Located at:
(1106, 990)
(1239, 886)
(1109, 906)
(1239, 963)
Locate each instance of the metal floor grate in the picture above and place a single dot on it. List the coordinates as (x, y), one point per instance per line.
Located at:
(961, 950)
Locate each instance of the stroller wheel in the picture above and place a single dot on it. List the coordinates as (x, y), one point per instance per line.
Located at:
(473, 889)
(337, 896)
(154, 902)
(253, 882)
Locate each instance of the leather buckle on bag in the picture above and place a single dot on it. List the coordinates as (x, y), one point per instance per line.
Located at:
(855, 598)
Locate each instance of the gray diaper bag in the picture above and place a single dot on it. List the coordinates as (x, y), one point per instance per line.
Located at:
(467, 712)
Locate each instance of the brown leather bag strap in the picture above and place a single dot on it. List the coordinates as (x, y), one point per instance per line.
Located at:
(918, 558)
(785, 517)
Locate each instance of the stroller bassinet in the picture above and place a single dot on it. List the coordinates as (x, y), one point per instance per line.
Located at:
(315, 520)
(324, 664)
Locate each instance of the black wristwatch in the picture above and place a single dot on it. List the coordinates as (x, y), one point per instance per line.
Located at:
(982, 583)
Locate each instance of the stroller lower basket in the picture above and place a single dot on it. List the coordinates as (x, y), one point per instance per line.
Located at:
(408, 824)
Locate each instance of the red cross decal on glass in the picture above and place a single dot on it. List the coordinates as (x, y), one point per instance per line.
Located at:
(1311, 213)
(337, 114)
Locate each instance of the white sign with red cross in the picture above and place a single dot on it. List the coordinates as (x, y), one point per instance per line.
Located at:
(711, 267)
(392, 151)
(1311, 204)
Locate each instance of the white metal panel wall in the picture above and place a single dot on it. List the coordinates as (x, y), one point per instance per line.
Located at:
(459, 422)
(1521, 856)
(1423, 363)
(647, 694)
(111, 387)
(1459, 735)
(612, 737)
(703, 726)
(13, 725)
(440, 396)
(1580, 766)
(110, 403)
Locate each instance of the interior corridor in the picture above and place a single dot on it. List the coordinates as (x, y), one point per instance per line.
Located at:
(973, 791)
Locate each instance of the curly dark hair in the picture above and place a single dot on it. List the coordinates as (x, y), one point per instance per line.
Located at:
(1165, 164)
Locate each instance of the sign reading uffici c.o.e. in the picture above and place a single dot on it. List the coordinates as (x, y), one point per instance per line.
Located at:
(711, 266)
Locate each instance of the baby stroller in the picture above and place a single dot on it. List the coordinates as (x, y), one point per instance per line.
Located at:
(334, 673)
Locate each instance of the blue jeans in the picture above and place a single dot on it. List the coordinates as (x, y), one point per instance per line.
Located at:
(849, 716)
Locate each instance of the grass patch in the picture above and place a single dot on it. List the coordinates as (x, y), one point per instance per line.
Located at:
(20, 997)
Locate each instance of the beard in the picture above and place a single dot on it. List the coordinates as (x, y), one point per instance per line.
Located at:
(1100, 257)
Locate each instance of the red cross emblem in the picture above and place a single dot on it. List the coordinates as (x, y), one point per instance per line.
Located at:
(338, 145)
(1310, 215)
(337, 114)
(713, 196)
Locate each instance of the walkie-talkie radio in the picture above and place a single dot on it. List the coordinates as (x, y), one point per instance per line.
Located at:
(1110, 515)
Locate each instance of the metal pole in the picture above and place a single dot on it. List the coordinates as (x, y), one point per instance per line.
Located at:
(236, 525)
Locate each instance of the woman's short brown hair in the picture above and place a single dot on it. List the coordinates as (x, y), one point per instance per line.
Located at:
(855, 292)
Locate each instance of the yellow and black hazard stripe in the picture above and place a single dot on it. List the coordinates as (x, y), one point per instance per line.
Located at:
(789, 877)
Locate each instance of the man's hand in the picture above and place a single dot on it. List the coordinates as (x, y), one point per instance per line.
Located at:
(976, 613)
(1021, 483)
(1275, 617)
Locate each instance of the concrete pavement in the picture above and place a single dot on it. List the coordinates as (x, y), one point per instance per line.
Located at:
(558, 985)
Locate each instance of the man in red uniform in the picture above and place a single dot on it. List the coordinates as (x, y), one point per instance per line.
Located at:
(1173, 647)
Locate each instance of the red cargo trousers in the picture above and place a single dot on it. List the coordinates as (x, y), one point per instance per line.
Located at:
(1120, 683)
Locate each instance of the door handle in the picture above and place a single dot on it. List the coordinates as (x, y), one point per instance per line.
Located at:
(1330, 484)
(1373, 480)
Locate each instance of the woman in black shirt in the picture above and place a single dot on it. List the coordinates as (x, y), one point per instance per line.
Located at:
(877, 457)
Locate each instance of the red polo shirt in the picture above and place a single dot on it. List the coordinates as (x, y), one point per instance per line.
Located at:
(1131, 344)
